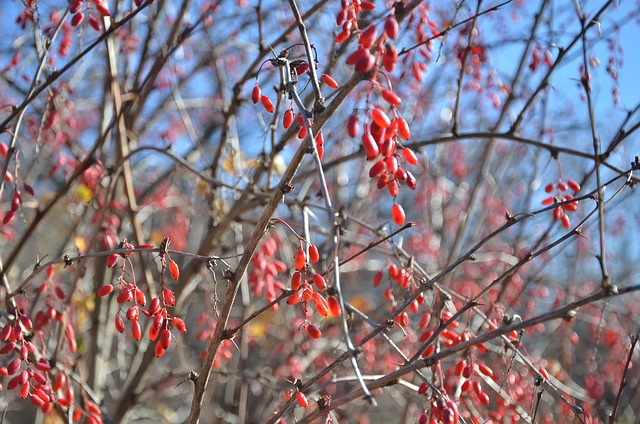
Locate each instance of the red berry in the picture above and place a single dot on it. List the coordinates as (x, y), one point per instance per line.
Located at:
(319, 281)
(77, 19)
(124, 296)
(485, 370)
(484, 398)
(367, 5)
(391, 97)
(111, 260)
(132, 313)
(174, 270)
(313, 332)
(302, 399)
(301, 69)
(410, 156)
(321, 305)
(159, 350)
(119, 325)
(75, 6)
(353, 126)
(397, 213)
(573, 185)
(365, 63)
(179, 324)
(403, 129)
(370, 146)
(377, 168)
(380, 118)
(549, 187)
(377, 279)
(256, 94)
(334, 306)
(300, 260)
(314, 255)
(295, 298)
(266, 102)
(153, 332)
(165, 339)
(136, 331)
(368, 37)
(95, 24)
(329, 81)
(296, 280)
(287, 119)
(105, 290)
(391, 27)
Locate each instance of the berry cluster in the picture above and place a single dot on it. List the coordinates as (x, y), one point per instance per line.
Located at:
(304, 291)
(560, 211)
(77, 11)
(157, 310)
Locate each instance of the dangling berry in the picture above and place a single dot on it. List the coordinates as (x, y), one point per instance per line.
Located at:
(334, 306)
(314, 331)
(319, 281)
(397, 213)
(287, 119)
(329, 81)
(300, 260)
(111, 260)
(256, 94)
(105, 290)
(302, 399)
(266, 102)
(380, 118)
(174, 270)
(314, 255)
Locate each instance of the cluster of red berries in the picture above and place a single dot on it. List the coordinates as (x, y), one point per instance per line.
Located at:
(560, 211)
(157, 310)
(363, 60)
(443, 411)
(289, 115)
(263, 277)
(380, 143)
(76, 10)
(33, 378)
(304, 292)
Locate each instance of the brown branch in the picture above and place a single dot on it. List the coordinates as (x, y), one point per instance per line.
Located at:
(623, 380)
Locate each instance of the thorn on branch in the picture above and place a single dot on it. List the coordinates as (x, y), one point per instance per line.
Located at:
(67, 260)
(229, 334)
(229, 274)
(286, 188)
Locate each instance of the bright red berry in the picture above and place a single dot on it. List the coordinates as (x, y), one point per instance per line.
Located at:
(397, 213)
(329, 81)
(300, 260)
(256, 94)
(314, 331)
(266, 102)
(105, 290)
(174, 270)
(302, 399)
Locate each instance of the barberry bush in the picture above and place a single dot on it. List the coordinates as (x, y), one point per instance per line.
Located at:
(320, 211)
